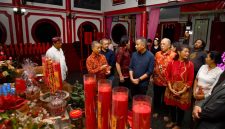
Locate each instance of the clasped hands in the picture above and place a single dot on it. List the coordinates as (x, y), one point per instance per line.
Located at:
(135, 81)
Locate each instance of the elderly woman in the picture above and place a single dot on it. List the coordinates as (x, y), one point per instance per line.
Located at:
(207, 76)
(179, 76)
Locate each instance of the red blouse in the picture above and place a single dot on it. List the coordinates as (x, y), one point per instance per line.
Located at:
(180, 71)
(179, 74)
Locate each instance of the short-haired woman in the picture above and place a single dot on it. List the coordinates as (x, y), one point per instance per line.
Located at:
(207, 76)
(179, 75)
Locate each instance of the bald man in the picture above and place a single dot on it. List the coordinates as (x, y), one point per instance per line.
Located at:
(162, 58)
(96, 63)
(141, 68)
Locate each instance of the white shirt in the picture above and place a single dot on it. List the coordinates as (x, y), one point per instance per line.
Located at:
(207, 78)
(58, 55)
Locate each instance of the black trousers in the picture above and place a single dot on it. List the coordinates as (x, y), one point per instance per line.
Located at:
(158, 100)
(127, 84)
(138, 90)
(177, 115)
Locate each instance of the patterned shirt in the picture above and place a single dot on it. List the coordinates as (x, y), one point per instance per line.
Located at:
(161, 62)
(180, 74)
(94, 63)
(123, 58)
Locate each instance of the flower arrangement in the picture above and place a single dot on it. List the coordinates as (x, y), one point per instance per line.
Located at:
(222, 65)
(35, 118)
(7, 71)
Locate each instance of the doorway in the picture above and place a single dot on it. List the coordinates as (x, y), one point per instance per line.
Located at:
(85, 49)
(44, 30)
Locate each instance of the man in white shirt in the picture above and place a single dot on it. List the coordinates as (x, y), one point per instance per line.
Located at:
(56, 54)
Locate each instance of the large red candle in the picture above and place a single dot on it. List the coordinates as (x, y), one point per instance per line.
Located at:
(90, 89)
(104, 103)
(141, 112)
(119, 108)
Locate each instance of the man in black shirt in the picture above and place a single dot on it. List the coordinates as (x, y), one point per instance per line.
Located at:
(141, 67)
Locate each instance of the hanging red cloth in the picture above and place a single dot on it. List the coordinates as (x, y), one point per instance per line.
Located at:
(25, 50)
(21, 49)
(39, 48)
(43, 48)
(47, 46)
(34, 49)
(30, 49)
(16, 49)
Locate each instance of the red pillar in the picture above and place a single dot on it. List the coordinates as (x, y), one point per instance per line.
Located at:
(18, 23)
(68, 21)
(144, 24)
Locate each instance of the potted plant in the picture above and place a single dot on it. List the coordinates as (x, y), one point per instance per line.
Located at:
(77, 96)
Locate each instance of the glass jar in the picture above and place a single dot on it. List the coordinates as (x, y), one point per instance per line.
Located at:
(76, 119)
(57, 107)
(33, 92)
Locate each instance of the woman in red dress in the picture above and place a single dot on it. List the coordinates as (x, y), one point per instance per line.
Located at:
(179, 75)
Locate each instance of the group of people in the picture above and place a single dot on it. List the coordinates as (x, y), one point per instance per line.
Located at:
(182, 78)
(133, 71)
(174, 74)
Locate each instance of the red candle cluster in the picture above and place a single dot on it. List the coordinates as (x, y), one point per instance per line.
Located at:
(118, 99)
